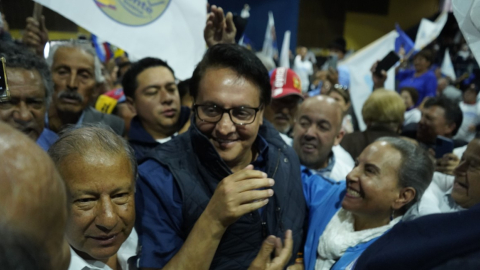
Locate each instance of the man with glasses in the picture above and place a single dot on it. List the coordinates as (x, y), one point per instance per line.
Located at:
(208, 199)
(152, 93)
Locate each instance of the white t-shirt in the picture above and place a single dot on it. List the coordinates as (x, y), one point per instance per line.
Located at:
(164, 140)
(303, 69)
(470, 117)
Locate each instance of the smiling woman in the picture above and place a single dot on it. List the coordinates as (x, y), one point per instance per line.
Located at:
(390, 176)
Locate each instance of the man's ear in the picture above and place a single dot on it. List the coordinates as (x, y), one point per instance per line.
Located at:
(260, 115)
(405, 196)
(450, 128)
(131, 104)
(339, 137)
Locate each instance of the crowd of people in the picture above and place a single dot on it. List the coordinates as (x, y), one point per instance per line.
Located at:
(118, 165)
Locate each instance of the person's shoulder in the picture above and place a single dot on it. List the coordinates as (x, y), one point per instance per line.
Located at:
(406, 72)
(94, 116)
(315, 181)
(431, 75)
(152, 169)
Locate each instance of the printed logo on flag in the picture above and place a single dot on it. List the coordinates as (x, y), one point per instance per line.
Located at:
(133, 12)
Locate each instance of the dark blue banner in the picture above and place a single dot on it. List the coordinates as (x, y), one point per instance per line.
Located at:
(285, 13)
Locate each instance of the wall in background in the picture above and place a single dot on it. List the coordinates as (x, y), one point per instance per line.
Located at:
(363, 28)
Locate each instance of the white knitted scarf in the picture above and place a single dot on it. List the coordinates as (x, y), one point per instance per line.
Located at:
(340, 234)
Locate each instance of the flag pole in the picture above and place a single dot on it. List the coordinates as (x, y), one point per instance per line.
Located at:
(37, 11)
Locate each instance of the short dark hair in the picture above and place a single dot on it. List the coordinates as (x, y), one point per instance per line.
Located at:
(129, 81)
(453, 113)
(18, 56)
(343, 92)
(239, 59)
(427, 54)
(413, 93)
(184, 87)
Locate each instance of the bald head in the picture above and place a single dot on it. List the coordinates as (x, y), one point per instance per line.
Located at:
(317, 129)
(32, 195)
(323, 104)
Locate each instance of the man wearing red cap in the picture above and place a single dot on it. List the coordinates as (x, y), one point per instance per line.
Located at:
(286, 96)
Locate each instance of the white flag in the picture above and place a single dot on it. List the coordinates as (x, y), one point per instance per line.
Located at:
(467, 13)
(429, 31)
(359, 65)
(167, 29)
(285, 53)
(270, 42)
(447, 66)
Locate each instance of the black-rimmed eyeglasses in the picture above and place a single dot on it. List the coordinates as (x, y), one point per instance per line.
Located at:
(213, 114)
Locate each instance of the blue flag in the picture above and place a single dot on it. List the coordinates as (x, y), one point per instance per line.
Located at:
(403, 40)
(99, 49)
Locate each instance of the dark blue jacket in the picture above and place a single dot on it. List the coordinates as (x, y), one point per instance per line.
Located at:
(197, 169)
(426, 242)
(142, 142)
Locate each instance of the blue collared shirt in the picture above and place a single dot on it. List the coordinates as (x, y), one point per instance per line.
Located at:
(325, 172)
(159, 210)
(47, 138)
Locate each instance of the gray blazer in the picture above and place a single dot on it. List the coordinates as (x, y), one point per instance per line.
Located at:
(93, 116)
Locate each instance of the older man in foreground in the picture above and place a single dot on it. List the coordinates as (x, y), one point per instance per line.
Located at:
(99, 171)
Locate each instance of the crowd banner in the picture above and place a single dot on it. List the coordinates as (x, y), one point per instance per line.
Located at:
(285, 53)
(167, 29)
(270, 43)
(447, 66)
(428, 31)
(359, 65)
(467, 13)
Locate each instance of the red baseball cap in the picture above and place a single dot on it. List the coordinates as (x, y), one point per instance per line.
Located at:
(285, 82)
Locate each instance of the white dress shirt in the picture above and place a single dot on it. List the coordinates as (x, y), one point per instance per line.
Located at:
(438, 196)
(126, 251)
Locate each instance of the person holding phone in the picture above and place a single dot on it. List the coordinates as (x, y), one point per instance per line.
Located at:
(420, 77)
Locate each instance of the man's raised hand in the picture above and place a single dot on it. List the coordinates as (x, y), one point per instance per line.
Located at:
(219, 29)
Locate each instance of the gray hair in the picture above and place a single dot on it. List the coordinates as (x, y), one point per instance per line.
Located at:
(78, 140)
(416, 168)
(21, 57)
(82, 45)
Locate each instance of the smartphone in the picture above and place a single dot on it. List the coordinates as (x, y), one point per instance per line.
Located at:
(443, 146)
(4, 92)
(387, 62)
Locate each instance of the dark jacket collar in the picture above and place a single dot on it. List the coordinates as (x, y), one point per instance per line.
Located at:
(138, 134)
(267, 137)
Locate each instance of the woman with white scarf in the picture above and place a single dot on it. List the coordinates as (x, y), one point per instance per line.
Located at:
(346, 217)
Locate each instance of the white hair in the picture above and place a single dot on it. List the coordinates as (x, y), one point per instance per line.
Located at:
(83, 45)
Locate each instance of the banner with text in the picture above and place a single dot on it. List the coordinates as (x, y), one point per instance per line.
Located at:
(167, 29)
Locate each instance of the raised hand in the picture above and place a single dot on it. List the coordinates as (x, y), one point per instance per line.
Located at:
(219, 29)
(36, 35)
